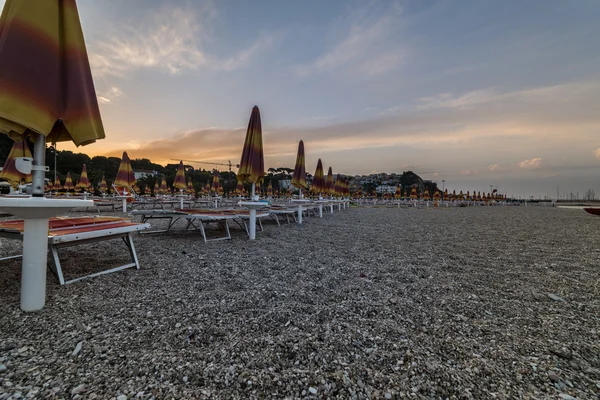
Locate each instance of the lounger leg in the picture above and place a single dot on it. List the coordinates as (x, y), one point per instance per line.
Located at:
(227, 230)
(55, 264)
(202, 230)
(260, 224)
(129, 242)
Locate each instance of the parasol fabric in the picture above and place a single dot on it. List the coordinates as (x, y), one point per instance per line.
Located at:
(216, 184)
(47, 85)
(318, 183)
(252, 163)
(9, 171)
(299, 176)
(68, 183)
(125, 176)
(84, 181)
(179, 182)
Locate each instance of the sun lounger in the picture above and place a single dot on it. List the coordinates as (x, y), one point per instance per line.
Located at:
(73, 231)
(199, 219)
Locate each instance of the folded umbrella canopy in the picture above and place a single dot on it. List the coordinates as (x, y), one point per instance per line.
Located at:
(190, 186)
(179, 182)
(239, 189)
(163, 186)
(270, 189)
(68, 186)
(216, 184)
(252, 163)
(329, 183)
(397, 194)
(103, 187)
(299, 176)
(84, 182)
(413, 193)
(125, 176)
(9, 171)
(46, 84)
(156, 189)
(318, 183)
(57, 186)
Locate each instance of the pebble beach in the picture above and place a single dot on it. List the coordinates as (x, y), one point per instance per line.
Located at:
(366, 303)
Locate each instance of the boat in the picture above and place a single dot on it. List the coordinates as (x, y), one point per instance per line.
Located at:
(593, 211)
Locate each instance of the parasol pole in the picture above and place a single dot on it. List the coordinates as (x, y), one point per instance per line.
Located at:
(39, 168)
(252, 227)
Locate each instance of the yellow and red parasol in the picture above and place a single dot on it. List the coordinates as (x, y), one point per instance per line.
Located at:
(163, 189)
(215, 182)
(103, 187)
(125, 176)
(270, 189)
(179, 182)
(68, 186)
(252, 163)
(9, 171)
(397, 194)
(84, 182)
(299, 176)
(413, 193)
(318, 183)
(329, 183)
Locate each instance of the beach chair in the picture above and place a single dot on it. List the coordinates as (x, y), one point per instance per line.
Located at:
(72, 231)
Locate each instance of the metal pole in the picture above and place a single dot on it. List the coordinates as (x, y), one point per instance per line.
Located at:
(39, 168)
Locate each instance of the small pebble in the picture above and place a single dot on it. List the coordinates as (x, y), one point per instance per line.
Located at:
(312, 390)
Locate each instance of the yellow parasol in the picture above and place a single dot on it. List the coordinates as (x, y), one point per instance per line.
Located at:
(9, 171)
(216, 184)
(318, 183)
(84, 182)
(252, 163)
(125, 176)
(179, 182)
(163, 186)
(299, 176)
(68, 186)
(329, 183)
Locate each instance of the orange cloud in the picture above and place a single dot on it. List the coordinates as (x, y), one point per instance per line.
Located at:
(531, 164)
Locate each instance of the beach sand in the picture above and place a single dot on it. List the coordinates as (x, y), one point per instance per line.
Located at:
(365, 303)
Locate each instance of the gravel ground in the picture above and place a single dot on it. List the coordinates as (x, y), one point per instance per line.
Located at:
(365, 303)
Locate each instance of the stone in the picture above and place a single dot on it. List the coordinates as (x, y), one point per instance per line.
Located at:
(553, 376)
(565, 396)
(121, 397)
(555, 297)
(77, 349)
(3, 368)
(312, 390)
(78, 389)
(388, 396)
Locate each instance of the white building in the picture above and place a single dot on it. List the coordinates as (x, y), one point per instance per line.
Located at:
(142, 173)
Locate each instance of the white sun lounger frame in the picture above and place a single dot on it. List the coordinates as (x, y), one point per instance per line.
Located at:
(68, 240)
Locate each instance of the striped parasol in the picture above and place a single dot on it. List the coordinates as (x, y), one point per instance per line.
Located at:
(163, 189)
(216, 184)
(84, 182)
(398, 193)
(413, 193)
(461, 196)
(270, 189)
(426, 194)
(46, 84)
(468, 195)
(436, 195)
(57, 186)
(252, 163)
(299, 176)
(336, 186)
(206, 188)
(103, 187)
(9, 171)
(68, 186)
(125, 176)
(318, 183)
(329, 183)
(179, 182)
(190, 186)
(239, 189)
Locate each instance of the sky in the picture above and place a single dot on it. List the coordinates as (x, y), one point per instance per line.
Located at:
(475, 93)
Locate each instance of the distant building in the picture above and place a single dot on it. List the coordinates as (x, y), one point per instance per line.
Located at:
(285, 183)
(385, 189)
(142, 173)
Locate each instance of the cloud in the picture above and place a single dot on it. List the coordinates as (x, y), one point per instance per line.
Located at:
(597, 153)
(370, 46)
(110, 96)
(534, 163)
(167, 40)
